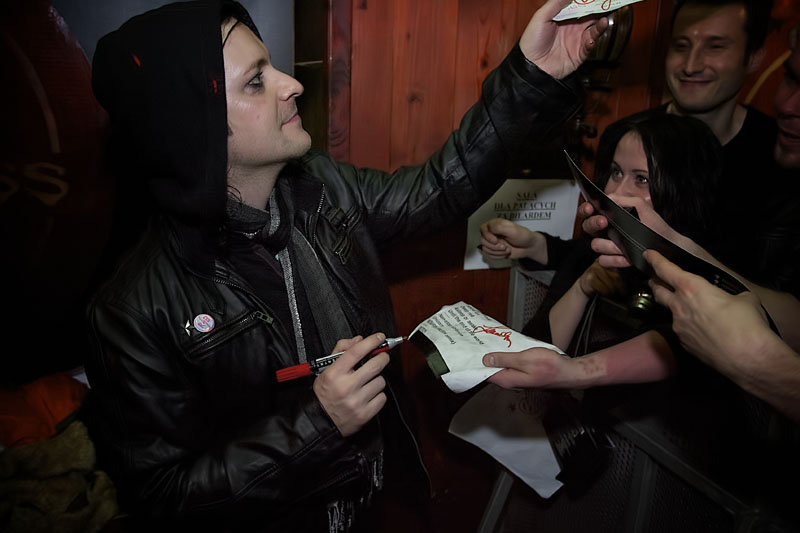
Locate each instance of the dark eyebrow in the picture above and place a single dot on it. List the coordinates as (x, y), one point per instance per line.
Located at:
(720, 39)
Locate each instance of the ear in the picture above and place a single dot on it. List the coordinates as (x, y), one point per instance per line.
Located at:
(755, 60)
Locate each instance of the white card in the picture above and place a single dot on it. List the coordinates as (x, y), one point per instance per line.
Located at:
(581, 8)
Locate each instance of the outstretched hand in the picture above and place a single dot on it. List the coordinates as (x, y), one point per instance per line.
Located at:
(351, 396)
(531, 368)
(559, 48)
(710, 323)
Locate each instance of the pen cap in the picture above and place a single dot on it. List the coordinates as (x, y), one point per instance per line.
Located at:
(293, 372)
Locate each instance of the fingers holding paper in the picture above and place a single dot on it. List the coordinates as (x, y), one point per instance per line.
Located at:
(353, 396)
(729, 333)
(610, 255)
(559, 48)
(711, 323)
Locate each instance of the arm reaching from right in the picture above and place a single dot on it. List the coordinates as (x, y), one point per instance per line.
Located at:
(783, 307)
(729, 333)
(642, 359)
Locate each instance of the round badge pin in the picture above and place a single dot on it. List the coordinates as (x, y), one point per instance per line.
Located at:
(203, 323)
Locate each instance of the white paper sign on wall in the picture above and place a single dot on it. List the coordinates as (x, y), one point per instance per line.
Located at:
(541, 205)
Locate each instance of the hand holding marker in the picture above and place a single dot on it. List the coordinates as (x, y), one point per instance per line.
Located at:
(318, 365)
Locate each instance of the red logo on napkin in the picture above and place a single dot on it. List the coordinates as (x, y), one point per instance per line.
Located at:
(491, 330)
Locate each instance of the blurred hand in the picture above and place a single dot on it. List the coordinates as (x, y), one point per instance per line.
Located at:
(503, 239)
(600, 280)
(352, 397)
(559, 48)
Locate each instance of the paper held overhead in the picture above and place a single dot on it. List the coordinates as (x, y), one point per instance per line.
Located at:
(582, 8)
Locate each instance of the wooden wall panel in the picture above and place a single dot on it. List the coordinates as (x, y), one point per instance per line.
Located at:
(424, 65)
(372, 79)
(440, 51)
(486, 32)
(338, 73)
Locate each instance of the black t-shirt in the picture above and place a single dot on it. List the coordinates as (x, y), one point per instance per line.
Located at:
(758, 229)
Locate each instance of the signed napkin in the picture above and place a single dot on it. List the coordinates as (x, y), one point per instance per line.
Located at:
(460, 336)
(581, 8)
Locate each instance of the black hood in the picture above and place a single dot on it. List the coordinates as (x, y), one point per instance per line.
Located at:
(161, 79)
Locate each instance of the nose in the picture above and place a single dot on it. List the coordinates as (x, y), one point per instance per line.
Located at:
(695, 61)
(625, 187)
(289, 87)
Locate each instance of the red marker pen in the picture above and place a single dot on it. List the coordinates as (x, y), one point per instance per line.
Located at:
(318, 365)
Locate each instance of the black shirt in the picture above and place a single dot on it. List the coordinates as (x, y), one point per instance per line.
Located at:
(758, 229)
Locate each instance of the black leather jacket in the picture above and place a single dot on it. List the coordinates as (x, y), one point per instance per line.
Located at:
(194, 423)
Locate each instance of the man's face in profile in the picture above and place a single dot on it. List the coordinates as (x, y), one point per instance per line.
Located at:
(265, 128)
(707, 61)
(787, 105)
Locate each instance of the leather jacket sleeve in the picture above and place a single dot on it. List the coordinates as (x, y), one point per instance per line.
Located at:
(519, 106)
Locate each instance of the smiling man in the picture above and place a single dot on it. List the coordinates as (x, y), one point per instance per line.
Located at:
(728, 332)
(715, 45)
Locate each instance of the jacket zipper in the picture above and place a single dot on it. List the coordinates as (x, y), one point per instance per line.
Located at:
(230, 330)
(319, 211)
(260, 314)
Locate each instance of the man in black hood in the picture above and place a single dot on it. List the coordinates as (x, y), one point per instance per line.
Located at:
(259, 254)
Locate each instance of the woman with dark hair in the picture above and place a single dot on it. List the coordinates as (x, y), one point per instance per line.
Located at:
(670, 161)
(658, 440)
(684, 163)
